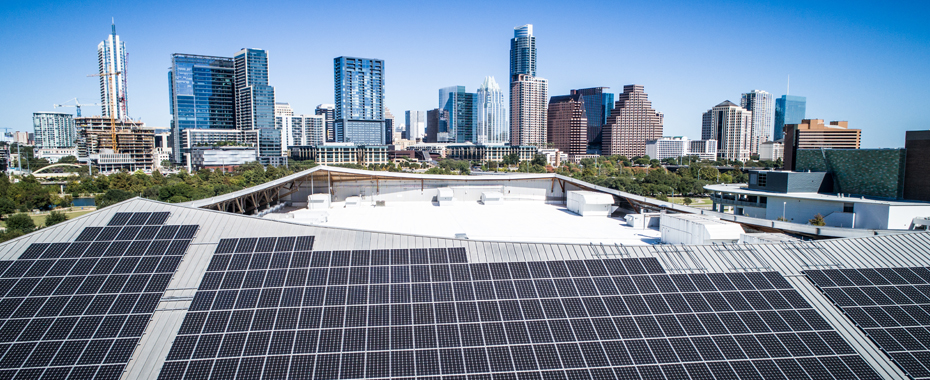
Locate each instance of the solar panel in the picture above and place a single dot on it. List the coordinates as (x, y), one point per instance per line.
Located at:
(77, 309)
(892, 307)
(275, 310)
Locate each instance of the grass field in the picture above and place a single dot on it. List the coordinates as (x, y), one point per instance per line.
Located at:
(695, 202)
(39, 219)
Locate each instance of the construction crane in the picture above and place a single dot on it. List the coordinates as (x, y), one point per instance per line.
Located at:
(77, 104)
(111, 84)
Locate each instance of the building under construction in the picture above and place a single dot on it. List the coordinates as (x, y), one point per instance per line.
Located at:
(135, 143)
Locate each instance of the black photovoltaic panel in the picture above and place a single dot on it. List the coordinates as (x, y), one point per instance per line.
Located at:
(891, 305)
(428, 313)
(76, 310)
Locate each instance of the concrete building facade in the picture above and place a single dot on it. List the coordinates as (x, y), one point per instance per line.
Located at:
(568, 124)
(772, 150)
(761, 104)
(632, 122)
(731, 126)
(54, 130)
(528, 97)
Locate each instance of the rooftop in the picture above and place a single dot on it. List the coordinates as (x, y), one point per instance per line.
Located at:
(740, 188)
(506, 222)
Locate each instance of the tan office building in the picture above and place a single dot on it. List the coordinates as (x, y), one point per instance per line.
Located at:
(568, 124)
(814, 134)
(632, 122)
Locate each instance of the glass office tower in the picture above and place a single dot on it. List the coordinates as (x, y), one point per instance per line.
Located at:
(202, 96)
(522, 52)
(597, 105)
(492, 123)
(461, 108)
(255, 103)
(789, 109)
(359, 94)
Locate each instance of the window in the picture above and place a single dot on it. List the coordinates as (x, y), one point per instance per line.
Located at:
(848, 207)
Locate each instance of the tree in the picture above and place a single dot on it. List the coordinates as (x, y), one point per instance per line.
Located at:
(687, 201)
(54, 218)
(111, 197)
(7, 206)
(20, 222)
(817, 221)
(68, 160)
(511, 159)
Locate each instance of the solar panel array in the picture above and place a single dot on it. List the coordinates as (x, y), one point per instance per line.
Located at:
(76, 310)
(427, 313)
(891, 305)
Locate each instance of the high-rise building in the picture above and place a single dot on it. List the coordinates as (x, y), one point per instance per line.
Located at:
(283, 109)
(528, 97)
(54, 130)
(761, 105)
(528, 94)
(567, 124)
(415, 122)
(111, 59)
(435, 118)
(329, 112)
(302, 130)
(731, 126)
(255, 104)
(789, 109)
(359, 90)
(597, 104)
(388, 127)
(814, 134)
(461, 108)
(632, 122)
(211, 106)
(522, 52)
(492, 124)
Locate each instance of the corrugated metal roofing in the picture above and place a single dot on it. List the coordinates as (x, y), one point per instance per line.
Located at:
(789, 258)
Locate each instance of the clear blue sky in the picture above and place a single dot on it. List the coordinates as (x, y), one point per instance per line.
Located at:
(868, 63)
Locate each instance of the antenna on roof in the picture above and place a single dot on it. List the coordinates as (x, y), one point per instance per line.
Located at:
(788, 90)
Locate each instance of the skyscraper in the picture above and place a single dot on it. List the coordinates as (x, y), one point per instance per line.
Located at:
(329, 112)
(212, 106)
(522, 52)
(528, 94)
(415, 121)
(388, 127)
(54, 130)
(789, 109)
(761, 104)
(359, 90)
(461, 108)
(731, 126)
(255, 104)
(632, 122)
(568, 124)
(434, 118)
(597, 104)
(491, 115)
(111, 58)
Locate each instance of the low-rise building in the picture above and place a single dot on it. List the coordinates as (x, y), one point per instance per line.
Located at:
(489, 152)
(554, 157)
(772, 150)
(55, 154)
(681, 146)
(798, 197)
(341, 153)
(225, 158)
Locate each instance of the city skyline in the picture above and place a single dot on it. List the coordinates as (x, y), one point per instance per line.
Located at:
(887, 58)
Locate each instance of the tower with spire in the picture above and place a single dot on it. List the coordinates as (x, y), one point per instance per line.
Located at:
(111, 58)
